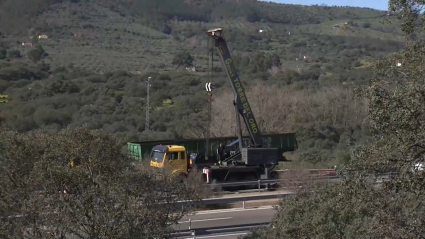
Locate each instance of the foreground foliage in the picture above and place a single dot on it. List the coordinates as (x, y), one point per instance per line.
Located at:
(105, 195)
(355, 207)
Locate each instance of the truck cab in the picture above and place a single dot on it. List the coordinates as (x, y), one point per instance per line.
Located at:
(171, 157)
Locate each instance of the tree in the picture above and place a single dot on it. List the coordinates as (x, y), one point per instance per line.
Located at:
(164, 28)
(3, 52)
(355, 208)
(104, 194)
(183, 58)
(13, 54)
(275, 59)
(280, 110)
(36, 54)
(366, 25)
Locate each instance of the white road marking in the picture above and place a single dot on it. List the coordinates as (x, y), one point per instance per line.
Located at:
(231, 210)
(220, 235)
(205, 220)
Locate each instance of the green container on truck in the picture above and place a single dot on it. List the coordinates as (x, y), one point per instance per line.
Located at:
(197, 147)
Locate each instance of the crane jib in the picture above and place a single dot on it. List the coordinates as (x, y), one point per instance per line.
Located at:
(241, 99)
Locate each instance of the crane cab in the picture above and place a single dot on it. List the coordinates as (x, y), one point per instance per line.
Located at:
(170, 157)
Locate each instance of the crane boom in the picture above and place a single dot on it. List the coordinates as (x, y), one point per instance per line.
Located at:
(241, 101)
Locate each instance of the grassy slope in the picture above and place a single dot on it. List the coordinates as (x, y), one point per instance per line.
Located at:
(107, 41)
(110, 40)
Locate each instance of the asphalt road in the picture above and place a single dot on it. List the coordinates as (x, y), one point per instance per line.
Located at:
(224, 224)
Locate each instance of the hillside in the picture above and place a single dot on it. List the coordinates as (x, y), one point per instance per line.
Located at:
(22, 12)
(109, 36)
(91, 64)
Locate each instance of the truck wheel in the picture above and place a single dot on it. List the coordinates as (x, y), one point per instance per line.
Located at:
(181, 177)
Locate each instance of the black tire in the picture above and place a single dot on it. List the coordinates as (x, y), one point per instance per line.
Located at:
(274, 176)
(251, 177)
(181, 177)
(231, 178)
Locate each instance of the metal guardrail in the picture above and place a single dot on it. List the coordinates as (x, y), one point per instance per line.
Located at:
(224, 200)
(210, 201)
(198, 232)
(259, 183)
(243, 199)
(224, 229)
(311, 170)
(262, 182)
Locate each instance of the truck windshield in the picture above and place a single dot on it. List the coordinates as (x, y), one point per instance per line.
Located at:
(157, 156)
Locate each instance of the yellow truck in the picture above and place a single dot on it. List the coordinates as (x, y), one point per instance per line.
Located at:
(171, 157)
(175, 159)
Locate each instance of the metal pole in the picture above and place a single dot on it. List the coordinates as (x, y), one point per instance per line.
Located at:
(259, 185)
(210, 52)
(207, 145)
(239, 127)
(148, 81)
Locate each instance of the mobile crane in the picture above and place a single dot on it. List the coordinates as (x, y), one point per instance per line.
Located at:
(250, 161)
(254, 153)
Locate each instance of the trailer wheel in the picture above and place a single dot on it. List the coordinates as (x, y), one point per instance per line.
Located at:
(274, 176)
(251, 177)
(215, 187)
(231, 179)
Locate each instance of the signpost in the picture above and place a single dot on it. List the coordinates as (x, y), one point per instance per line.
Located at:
(4, 98)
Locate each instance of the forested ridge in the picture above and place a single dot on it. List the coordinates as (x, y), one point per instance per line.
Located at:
(22, 11)
(92, 65)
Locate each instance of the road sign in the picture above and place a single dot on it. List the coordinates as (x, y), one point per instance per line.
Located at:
(3, 98)
(209, 86)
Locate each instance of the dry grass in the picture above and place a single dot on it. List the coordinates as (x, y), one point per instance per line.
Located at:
(298, 179)
(284, 110)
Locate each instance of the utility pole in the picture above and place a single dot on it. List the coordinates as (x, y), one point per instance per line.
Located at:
(148, 82)
(209, 87)
(209, 123)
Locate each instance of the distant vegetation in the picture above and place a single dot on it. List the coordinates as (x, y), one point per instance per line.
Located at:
(68, 63)
(160, 11)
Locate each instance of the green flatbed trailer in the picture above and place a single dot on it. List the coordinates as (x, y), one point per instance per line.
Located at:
(140, 150)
